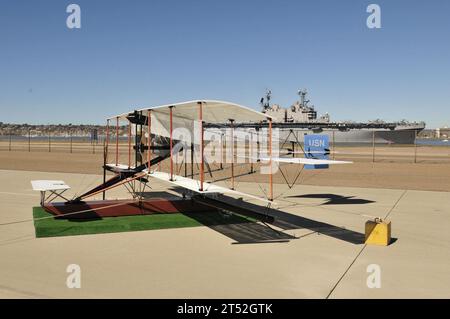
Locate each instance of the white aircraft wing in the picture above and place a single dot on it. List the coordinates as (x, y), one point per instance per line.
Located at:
(304, 161)
(311, 152)
(49, 185)
(185, 114)
(193, 185)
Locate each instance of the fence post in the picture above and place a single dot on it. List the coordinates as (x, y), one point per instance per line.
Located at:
(10, 133)
(221, 150)
(49, 143)
(250, 151)
(373, 146)
(105, 154)
(70, 141)
(293, 148)
(333, 149)
(192, 161)
(185, 159)
(29, 140)
(415, 146)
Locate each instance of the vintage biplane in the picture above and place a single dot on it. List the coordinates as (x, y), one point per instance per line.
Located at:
(229, 133)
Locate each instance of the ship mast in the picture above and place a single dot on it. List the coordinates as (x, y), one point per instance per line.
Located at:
(266, 104)
(302, 94)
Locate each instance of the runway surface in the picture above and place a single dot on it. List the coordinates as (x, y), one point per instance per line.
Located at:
(327, 260)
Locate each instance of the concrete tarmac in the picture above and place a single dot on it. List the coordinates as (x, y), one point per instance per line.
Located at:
(202, 263)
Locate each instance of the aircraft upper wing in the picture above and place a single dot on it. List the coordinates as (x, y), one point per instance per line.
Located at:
(185, 114)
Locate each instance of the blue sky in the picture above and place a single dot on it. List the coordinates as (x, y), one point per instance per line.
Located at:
(132, 54)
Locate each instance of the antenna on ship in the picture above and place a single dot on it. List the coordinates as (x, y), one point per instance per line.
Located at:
(302, 94)
(266, 105)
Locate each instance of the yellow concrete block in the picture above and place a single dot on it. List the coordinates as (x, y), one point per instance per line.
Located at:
(378, 232)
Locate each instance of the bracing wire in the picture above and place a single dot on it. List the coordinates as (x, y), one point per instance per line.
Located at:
(68, 214)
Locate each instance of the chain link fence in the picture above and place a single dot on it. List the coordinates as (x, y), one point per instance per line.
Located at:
(423, 151)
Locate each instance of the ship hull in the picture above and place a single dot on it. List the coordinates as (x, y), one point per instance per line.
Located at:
(359, 136)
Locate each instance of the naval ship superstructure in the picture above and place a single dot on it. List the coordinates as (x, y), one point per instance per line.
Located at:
(301, 118)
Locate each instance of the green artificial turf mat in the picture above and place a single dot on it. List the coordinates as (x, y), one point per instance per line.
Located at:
(51, 227)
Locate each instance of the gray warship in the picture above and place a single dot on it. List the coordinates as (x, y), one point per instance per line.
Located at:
(303, 114)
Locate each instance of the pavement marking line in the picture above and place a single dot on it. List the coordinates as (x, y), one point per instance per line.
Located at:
(19, 194)
(310, 233)
(343, 211)
(28, 294)
(16, 240)
(362, 249)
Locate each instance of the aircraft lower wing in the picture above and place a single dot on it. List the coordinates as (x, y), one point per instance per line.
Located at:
(305, 161)
(194, 185)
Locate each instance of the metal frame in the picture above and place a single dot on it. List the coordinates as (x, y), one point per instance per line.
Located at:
(232, 152)
(117, 141)
(202, 148)
(171, 142)
(53, 193)
(270, 161)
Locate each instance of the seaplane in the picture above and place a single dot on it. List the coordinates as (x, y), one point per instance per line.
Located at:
(191, 133)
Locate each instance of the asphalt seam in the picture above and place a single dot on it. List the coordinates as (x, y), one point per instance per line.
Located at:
(345, 272)
(362, 249)
(396, 203)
